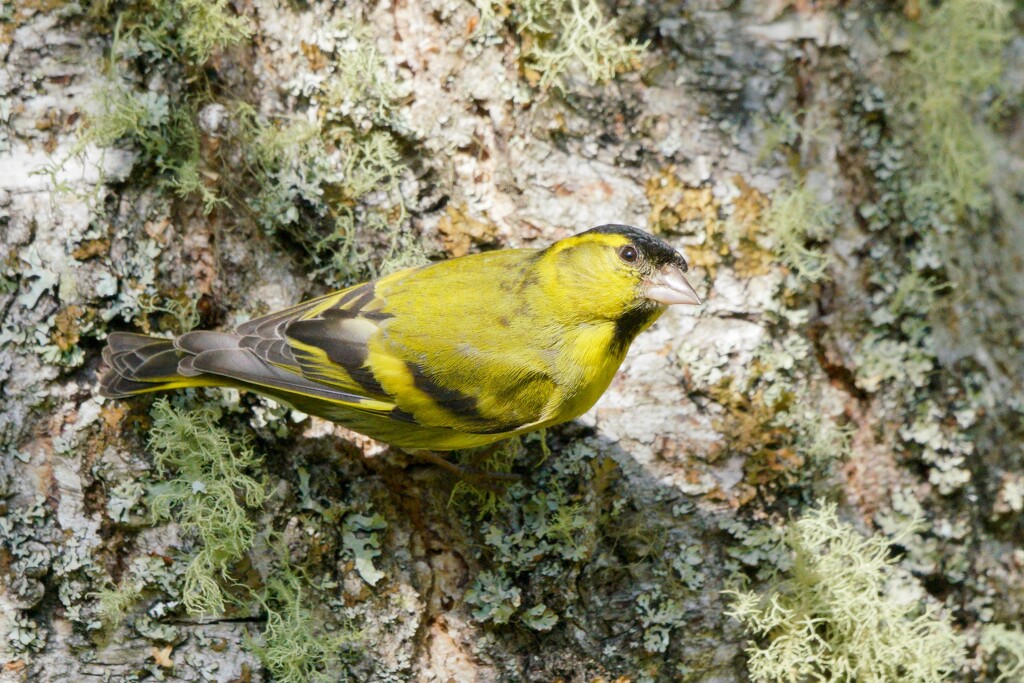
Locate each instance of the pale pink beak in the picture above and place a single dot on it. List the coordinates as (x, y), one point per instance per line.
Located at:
(668, 286)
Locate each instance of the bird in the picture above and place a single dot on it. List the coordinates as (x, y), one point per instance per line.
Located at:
(451, 355)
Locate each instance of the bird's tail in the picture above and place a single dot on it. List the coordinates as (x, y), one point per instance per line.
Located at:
(137, 364)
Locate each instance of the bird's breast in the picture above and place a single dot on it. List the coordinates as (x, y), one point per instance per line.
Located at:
(587, 363)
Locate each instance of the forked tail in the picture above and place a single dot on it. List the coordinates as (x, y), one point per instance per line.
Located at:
(138, 364)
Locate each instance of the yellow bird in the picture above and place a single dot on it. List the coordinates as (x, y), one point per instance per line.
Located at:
(451, 355)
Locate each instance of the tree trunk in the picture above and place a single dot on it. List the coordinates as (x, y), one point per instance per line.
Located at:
(860, 340)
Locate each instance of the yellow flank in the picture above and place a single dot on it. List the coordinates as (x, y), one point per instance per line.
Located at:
(456, 354)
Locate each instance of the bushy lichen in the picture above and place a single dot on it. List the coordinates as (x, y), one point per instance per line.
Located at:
(208, 496)
(797, 220)
(322, 182)
(295, 645)
(564, 37)
(954, 59)
(175, 38)
(842, 612)
(1003, 647)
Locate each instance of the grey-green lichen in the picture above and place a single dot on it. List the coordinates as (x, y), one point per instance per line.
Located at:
(563, 38)
(1003, 647)
(209, 496)
(955, 59)
(842, 611)
(295, 645)
(795, 221)
(176, 38)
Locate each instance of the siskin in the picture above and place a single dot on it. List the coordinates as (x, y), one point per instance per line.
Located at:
(452, 355)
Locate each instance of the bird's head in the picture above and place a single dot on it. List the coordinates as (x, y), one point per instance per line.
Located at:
(619, 273)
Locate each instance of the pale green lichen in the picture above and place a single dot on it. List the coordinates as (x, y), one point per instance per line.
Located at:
(796, 221)
(124, 501)
(176, 37)
(480, 500)
(841, 612)
(113, 603)
(361, 537)
(659, 616)
(326, 183)
(566, 37)
(1003, 647)
(493, 597)
(209, 496)
(295, 646)
(954, 60)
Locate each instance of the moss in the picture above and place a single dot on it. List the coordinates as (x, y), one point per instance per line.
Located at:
(468, 497)
(563, 38)
(208, 498)
(840, 613)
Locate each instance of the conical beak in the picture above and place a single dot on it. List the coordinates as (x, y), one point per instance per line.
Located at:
(668, 286)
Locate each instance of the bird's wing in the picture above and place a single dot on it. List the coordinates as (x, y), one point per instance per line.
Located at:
(329, 343)
(260, 353)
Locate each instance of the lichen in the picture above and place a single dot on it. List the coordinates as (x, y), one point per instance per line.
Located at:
(564, 37)
(1003, 647)
(177, 38)
(296, 645)
(954, 59)
(208, 496)
(841, 612)
(324, 181)
(797, 222)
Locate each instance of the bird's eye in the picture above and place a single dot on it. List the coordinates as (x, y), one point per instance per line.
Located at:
(628, 253)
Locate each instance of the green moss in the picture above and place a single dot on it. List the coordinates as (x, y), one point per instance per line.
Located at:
(295, 646)
(564, 38)
(482, 502)
(208, 498)
(955, 58)
(840, 612)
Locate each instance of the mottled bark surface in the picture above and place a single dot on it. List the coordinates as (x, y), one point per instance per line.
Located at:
(889, 382)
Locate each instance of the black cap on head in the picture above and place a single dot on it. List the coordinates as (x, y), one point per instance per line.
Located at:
(655, 251)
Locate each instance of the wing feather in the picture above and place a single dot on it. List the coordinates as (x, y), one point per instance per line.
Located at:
(247, 367)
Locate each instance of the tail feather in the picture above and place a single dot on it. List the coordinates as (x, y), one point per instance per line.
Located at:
(138, 364)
